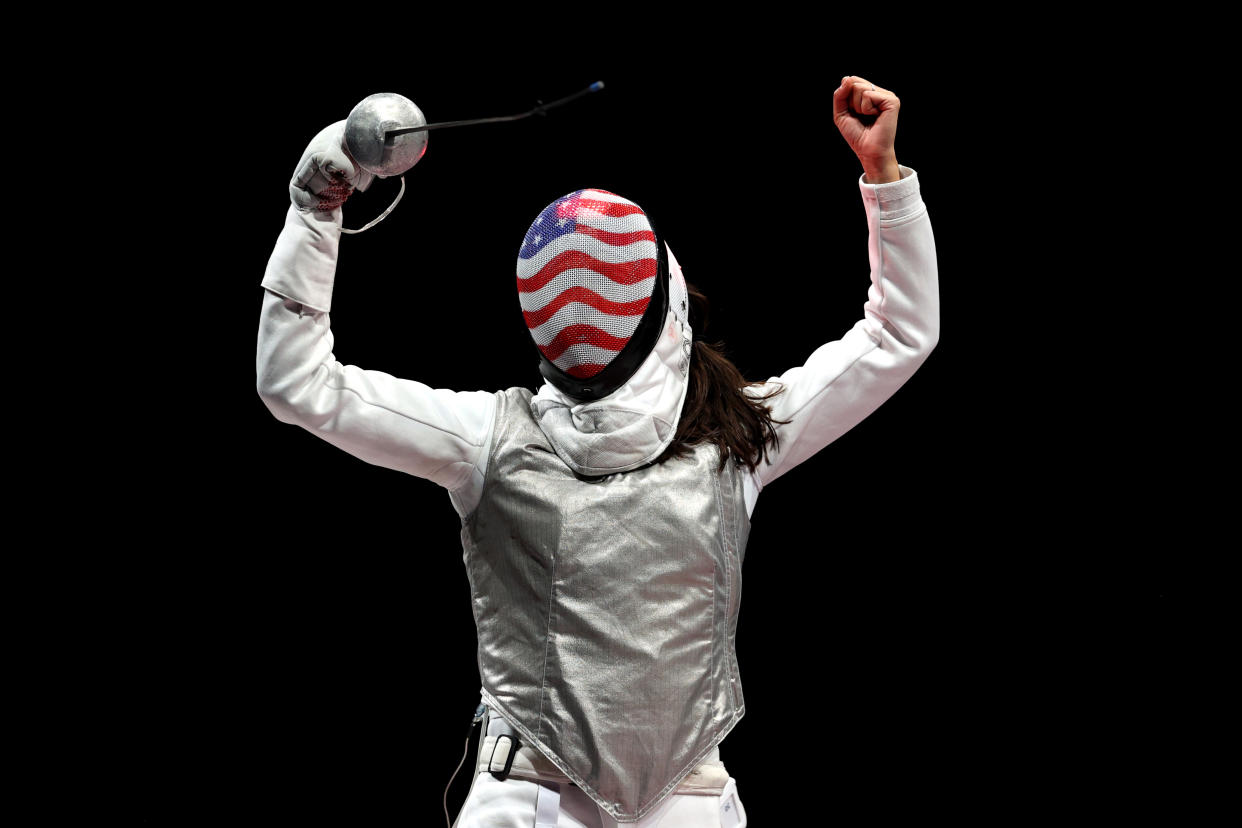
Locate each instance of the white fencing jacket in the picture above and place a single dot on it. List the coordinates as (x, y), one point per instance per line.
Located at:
(445, 436)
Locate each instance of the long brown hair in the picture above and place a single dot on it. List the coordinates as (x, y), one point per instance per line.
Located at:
(716, 409)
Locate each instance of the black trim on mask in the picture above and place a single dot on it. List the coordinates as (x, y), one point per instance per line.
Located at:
(628, 360)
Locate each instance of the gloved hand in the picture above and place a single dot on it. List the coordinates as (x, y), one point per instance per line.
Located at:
(326, 175)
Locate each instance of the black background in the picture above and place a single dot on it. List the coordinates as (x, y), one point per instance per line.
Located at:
(928, 624)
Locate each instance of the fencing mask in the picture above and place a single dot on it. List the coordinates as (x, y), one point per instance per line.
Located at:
(594, 288)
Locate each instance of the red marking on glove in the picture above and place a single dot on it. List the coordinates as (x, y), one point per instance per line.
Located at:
(334, 194)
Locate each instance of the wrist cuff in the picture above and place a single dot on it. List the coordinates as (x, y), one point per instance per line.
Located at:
(895, 195)
(303, 264)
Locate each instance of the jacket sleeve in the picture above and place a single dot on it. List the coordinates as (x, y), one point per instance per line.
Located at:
(395, 423)
(844, 381)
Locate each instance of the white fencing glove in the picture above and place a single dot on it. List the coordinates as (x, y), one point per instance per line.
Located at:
(326, 175)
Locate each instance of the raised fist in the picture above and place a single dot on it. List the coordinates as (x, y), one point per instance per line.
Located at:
(867, 118)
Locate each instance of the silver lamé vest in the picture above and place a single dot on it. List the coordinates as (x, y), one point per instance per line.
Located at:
(607, 610)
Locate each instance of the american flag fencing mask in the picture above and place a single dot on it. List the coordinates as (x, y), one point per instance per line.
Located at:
(593, 283)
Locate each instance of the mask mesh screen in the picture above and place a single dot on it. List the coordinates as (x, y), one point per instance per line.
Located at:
(585, 275)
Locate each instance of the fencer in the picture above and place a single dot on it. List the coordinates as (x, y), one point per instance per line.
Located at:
(605, 513)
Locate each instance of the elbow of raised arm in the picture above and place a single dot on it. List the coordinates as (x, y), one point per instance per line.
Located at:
(288, 379)
(912, 343)
(282, 397)
(277, 402)
(915, 343)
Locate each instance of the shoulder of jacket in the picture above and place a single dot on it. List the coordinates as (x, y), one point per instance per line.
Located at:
(515, 396)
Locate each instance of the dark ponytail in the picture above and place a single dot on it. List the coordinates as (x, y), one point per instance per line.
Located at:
(716, 409)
